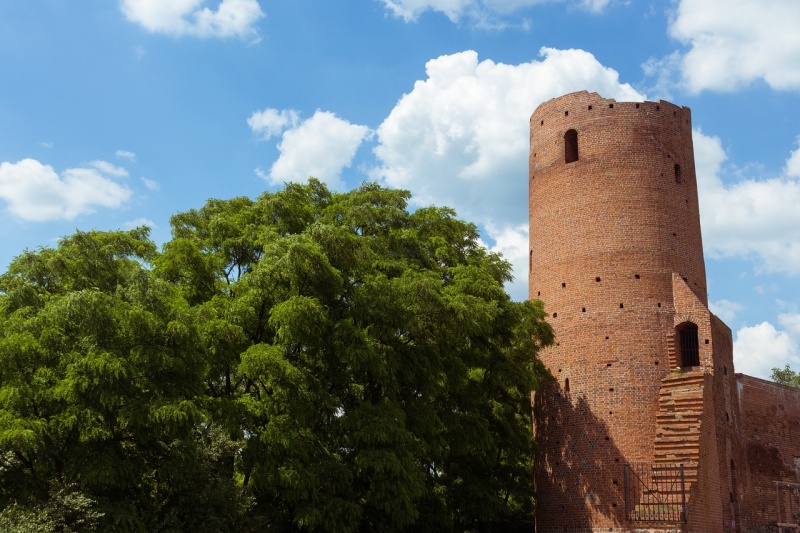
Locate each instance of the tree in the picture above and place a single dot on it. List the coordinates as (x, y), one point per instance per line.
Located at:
(307, 360)
(786, 377)
(100, 386)
(366, 359)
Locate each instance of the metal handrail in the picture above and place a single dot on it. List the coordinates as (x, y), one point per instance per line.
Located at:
(654, 492)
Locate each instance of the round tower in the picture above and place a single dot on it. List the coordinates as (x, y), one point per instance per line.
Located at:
(614, 225)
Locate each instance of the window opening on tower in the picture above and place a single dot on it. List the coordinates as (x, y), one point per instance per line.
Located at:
(678, 178)
(690, 347)
(570, 146)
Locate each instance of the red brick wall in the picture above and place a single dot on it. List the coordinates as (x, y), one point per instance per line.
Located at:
(771, 440)
(619, 215)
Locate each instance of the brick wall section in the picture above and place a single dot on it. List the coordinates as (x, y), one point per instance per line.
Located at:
(733, 467)
(771, 439)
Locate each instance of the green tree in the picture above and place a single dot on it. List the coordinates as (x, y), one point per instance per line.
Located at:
(786, 377)
(307, 360)
(100, 387)
(366, 360)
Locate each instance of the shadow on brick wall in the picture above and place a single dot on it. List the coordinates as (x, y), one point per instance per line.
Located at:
(579, 470)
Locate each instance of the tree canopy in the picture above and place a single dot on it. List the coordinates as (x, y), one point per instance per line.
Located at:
(786, 376)
(307, 360)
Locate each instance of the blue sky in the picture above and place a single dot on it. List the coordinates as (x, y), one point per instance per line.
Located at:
(119, 113)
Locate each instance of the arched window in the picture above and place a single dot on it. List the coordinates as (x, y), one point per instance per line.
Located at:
(689, 345)
(678, 178)
(570, 146)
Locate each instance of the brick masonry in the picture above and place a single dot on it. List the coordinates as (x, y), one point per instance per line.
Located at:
(616, 255)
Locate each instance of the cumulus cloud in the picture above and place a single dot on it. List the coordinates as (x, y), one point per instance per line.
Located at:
(271, 122)
(231, 18)
(513, 243)
(748, 218)
(484, 12)
(460, 137)
(35, 192)
(726, 309)
(321, 147)
(735, 42)
(793, 164)
(760, 348)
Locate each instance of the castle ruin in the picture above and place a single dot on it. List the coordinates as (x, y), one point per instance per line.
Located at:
(646, 427)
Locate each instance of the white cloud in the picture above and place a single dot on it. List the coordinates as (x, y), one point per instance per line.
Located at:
(725, 309)
(791, 322)
(320, 146)
(758, 349)
(151, 185)
(735, 42)
(272, 122)
(460, 137)
(109, 169)
(513, 243)
(138, 222)
(793, 164)
(261, 173)
(232, 18)
(484, 12)
(748, 218)
(125, 154)
(35, 192)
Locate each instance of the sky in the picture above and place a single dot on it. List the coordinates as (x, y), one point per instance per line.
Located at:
(115, 114)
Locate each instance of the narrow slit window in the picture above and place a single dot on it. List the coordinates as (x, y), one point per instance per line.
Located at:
(570, 146)
(678, 178)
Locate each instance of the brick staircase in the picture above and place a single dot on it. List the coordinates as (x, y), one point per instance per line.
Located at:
(678, 422)
(658, 496)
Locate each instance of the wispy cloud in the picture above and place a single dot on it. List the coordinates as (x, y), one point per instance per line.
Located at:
(231, 18)
(125, 154)
(151, 185)
(485, 13)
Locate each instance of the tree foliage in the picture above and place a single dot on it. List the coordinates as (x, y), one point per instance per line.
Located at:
(307, 360)
(786, 376)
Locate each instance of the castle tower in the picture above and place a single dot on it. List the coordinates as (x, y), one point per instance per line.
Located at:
(616, 255)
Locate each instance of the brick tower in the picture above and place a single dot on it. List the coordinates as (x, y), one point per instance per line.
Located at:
(616, 255)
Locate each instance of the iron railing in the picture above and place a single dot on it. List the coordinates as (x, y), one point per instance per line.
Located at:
(654, 493)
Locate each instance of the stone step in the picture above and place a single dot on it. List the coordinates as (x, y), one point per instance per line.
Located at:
(671, 458)
(682, 440)
(677, 429)
(678, 455)
(683, 390)
(679, 415)
(680, 400)
(685, 377)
